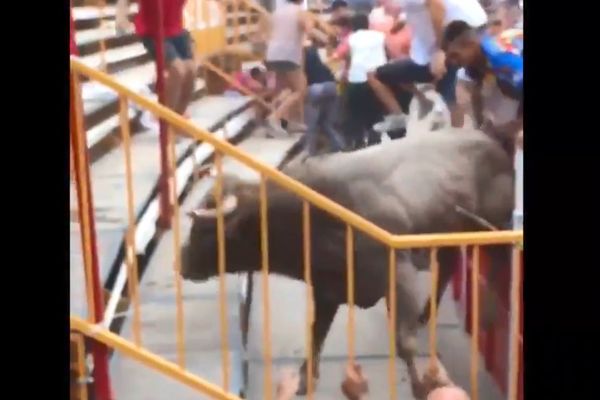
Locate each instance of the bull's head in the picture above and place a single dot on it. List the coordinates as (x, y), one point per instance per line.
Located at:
(199, 256)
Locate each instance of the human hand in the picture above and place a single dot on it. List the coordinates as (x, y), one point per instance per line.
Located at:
(355, 386)
(288, 384)
(438, 65)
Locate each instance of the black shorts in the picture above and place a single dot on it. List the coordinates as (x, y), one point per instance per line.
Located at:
(281, 66)
(179, 46)
(407, 71)
(363, 109)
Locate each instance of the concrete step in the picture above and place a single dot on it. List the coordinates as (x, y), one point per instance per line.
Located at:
(118, 59)
(87, 17)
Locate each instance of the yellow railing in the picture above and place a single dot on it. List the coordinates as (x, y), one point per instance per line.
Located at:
(310, 198)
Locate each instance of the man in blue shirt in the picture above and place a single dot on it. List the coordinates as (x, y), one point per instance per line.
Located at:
(489, 60)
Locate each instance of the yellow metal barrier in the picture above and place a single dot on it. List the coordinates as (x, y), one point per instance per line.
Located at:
(311, 198)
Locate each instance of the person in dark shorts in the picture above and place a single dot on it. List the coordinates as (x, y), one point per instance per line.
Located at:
(427, 62)
(366, 53)
(179, 58)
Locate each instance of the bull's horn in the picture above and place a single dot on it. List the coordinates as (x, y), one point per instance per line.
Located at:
(230, 203)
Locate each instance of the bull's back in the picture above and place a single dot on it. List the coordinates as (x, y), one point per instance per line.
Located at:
(409, 185)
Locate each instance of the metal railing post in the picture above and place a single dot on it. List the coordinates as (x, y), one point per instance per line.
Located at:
(512, 392)
(164, 220)
(86, 205)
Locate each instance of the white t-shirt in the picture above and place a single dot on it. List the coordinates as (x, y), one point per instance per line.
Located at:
(423, 35)
(367, 52)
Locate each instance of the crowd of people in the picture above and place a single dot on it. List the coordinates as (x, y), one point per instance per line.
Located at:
(388, 54)
(469, 50)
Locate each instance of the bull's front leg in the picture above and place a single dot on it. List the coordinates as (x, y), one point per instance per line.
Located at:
(448, 258)
(407, 323)
(325, 311)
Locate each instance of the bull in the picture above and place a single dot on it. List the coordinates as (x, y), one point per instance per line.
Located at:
(410, 186)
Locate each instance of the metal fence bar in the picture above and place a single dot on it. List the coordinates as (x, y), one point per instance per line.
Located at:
(175, 223)
(475, 323)
(145, 357)
(130, 251)
(88, 230)
(309, 298)
(218, 193)
(350, 290)
(435, 274)
(392, 323)
(264, 242)
(515, 315)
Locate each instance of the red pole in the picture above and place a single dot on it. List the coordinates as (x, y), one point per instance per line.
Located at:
(164, 220)
(82, 174)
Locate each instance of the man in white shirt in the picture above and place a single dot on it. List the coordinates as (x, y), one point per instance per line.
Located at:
(427, 61)
(367, 52)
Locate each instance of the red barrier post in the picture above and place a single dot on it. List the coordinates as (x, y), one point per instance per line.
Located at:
(86, 205)
(164, 220)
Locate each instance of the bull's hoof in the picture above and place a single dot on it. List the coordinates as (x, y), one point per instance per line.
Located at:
(303, 386)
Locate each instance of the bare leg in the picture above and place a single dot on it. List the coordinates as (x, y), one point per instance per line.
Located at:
(324, 314)
(296, 81)
(457, 116)
(407, 313)
(384, 94)
(175, 78)
(187, 86)
(425, 104)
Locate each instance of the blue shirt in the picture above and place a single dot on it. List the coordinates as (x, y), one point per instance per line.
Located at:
(504, 54)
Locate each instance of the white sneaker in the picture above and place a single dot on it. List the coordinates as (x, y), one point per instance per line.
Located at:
(149, 122)
(296, 127)
(275, 129)
(391, 122)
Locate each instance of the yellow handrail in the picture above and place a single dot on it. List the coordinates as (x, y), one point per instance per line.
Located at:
(356, 221)
(144, 356)
(352, 220)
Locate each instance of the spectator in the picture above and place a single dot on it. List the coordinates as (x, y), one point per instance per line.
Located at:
(339, 9)
(493, 64)
(367, 52)
(321, 102)
(179, 59)
(427, 61)
(288, 25)
(257, 82)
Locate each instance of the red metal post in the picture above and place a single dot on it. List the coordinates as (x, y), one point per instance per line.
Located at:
(82, 174)
(164, 220)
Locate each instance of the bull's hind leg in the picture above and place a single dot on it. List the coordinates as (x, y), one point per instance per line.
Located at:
(407, 314)
(448, 260)
(324, 313)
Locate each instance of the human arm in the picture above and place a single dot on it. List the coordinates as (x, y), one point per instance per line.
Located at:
(437, 11)
(309, 27)
(477, 103)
